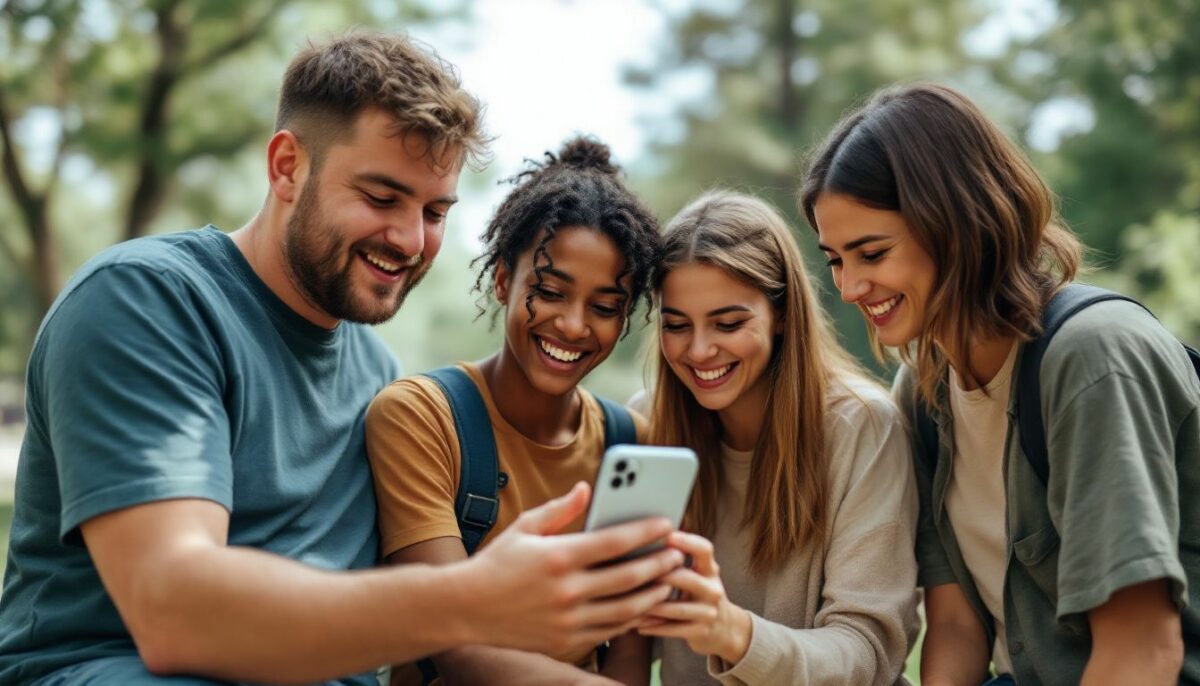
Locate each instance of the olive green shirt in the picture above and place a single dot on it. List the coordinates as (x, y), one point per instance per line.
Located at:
(1121, 505)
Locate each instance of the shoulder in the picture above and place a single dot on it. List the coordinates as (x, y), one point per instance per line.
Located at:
(855, 405)
(1113, 338)
(864, 430)
(139, 273)
(411, 396)
(371, 354)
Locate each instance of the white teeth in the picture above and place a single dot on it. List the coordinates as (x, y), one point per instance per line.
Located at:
(882, 308)
(712, 374)
(558, 353)
(381, 263)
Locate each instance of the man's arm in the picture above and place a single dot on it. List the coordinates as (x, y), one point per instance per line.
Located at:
(955, 652)
(476, 664)
(195, 605)
(1136, 638)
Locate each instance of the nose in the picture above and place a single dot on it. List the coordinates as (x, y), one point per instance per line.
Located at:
(700, 348)
(571, 323)
(406, 233)
(852, 286)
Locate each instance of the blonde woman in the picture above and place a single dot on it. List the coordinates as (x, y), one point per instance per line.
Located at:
(804, 511)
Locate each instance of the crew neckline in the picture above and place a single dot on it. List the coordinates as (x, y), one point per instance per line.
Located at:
(292, 320)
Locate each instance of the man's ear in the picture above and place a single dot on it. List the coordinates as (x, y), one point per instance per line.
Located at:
(503, 282)
(287, 165)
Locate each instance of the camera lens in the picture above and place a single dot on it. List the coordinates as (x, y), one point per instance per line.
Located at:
(622, 465)
(616, 482)
(630, 477)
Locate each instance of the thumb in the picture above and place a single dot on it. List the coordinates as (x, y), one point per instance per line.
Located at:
(552, 516)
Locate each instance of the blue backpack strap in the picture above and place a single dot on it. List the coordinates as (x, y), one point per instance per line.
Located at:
(618, 424)
(475, 503)
(1065, 304)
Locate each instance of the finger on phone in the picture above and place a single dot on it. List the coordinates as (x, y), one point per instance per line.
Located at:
(594, 547)
(696, 586)
(625, 609)
(698, 549)
(552, 516)
(684, 612)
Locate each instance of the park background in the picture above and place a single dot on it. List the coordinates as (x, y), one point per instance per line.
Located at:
(122, 118)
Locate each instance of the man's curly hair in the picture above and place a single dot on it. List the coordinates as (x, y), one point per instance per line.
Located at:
(579, 186)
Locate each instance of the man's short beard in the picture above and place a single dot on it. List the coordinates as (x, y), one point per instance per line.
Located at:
(321, 266)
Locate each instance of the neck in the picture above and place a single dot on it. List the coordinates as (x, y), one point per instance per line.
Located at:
(742, 421)
(261, 243)
(984, 359)
(542, 418)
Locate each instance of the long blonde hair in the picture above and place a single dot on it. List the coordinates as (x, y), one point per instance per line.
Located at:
(786, 498)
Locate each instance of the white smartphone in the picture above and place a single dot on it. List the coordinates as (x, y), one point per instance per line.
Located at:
(639, 481)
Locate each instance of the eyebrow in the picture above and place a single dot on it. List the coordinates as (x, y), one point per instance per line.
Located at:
(563, 276)
(401, 188)
(855, 243)
(712, 313)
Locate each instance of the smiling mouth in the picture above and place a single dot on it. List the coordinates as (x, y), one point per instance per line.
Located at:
(384, 269)
(710, 378)
(883, 309)
(559, 354)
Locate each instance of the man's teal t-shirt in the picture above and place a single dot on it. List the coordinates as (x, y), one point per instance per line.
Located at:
(167, 369)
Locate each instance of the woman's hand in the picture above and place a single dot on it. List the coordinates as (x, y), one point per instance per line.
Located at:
(704, 617)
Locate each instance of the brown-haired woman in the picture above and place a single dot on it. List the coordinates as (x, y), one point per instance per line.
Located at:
(948, 241)
(805, 487)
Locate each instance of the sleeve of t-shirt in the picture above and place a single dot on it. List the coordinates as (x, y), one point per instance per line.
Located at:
(413, 448)
(1114, 396)
(132, 385)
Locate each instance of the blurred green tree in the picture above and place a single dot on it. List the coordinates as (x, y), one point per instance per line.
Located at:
(109, 108)
(780, 73)
(1134, 66)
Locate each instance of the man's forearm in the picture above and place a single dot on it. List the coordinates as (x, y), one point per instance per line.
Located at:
(484, 664)
(245, 615)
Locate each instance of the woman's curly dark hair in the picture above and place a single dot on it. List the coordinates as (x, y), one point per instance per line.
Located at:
(580, 186)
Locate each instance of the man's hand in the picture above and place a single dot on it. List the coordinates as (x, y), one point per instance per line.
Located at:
(531, 590)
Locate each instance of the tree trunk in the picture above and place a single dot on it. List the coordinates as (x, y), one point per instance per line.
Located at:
(151, 188)
(785, 19)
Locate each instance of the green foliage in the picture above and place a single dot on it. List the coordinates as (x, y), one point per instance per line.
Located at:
(119, 109)
(1134, 62)
(782, 72)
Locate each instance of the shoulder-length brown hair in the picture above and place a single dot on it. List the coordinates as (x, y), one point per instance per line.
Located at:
(972, 201)
(788, 488)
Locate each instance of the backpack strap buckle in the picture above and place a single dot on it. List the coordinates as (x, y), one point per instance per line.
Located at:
(479, 511)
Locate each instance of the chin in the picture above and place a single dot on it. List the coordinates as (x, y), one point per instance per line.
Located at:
(713, 401)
